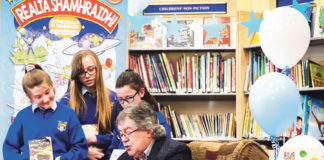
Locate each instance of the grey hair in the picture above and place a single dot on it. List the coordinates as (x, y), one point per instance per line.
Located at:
(144, 117)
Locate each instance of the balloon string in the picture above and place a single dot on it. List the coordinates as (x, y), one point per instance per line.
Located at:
(275, 146)
(286, 71)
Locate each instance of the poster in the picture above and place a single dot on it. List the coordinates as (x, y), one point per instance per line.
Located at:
(50, 32)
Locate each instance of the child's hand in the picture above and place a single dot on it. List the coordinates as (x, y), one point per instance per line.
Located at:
(58, 158)
(92, 139)
(95, 153)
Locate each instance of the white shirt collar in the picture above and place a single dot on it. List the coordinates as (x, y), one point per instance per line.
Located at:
(83, 90)
(35, 106)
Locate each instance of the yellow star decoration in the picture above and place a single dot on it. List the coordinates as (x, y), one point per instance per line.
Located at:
(318, 2)
(49, 42)
(82, 27)
(23, 100)
(44, 27)
(54, 51)
(95, 39)
(112, 104)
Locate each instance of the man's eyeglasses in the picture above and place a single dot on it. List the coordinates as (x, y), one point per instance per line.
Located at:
(127, 99)
(129, 134)
(90, 71)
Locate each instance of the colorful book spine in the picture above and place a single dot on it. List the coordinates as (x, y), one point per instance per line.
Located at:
(149, 74)
(167, 79)
(144, 73)
(158, 73)
(207, 72)
(202, 74)
(169, 72)
(189, 74)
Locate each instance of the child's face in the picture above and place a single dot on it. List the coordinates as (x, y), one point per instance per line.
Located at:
(88, 77)
(299, 122)
(129, 95)
(43, 95)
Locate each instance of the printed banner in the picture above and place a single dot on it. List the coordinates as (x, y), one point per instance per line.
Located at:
(185, 9)
(50, 32)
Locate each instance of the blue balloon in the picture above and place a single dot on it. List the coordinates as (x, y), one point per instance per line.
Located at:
(274, 102)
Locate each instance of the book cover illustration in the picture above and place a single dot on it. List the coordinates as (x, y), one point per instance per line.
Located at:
(41, 149)
(152, 35)
(225, 33)
(318, 22)
(316, 117)
(301, 122)
(317, 74)
(186, 35)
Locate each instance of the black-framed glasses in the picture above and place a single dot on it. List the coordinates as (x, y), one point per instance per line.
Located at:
(90, 71)
(129, 134)
(127, 99)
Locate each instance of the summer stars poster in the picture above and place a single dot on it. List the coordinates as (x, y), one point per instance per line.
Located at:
(50, 32)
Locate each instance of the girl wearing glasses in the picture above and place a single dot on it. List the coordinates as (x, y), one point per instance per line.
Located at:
(130, 89)
(95, 105)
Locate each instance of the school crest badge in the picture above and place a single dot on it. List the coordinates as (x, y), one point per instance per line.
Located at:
(61, 126)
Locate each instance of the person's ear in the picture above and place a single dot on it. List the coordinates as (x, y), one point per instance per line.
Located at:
(141, 92)
(149, 134)
(30, 98)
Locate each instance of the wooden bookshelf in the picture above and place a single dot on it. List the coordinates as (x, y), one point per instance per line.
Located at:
(200, 103)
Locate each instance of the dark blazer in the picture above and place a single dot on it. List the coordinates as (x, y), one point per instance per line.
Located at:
(165, 149)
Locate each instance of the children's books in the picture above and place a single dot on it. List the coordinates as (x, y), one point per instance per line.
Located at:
(40, 148)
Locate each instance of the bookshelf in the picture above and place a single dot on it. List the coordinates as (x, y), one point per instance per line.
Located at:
(316, 44)
(314, 53)
(201, 103)
(194, 103)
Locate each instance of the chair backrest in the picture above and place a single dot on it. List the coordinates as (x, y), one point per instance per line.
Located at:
(232, 150)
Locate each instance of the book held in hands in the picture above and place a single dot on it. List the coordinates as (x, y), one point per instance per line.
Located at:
(40, 149)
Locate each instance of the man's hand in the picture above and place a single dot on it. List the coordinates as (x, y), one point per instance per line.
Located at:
(58, 158)
(94, 153)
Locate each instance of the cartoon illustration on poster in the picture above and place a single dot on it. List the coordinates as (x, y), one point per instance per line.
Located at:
(50, 32)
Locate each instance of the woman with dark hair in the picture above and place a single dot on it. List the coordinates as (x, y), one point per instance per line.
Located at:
(130, 89)
(130, 80)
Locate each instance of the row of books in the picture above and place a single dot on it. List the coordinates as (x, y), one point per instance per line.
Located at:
(309, 121)
(308, 74)
(251, 130)
(209, 72)
(193, 73)
(305, 74)
(257, 65)
(200, 126)
(311, 114)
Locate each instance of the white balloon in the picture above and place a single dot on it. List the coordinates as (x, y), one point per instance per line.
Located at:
(284, 36)
(302, 147)
(137, 5)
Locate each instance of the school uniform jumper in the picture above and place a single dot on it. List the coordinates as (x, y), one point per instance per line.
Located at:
(61, 124)
(89, 117)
